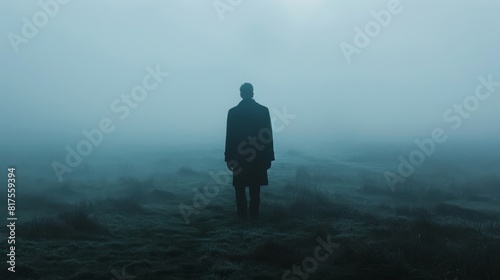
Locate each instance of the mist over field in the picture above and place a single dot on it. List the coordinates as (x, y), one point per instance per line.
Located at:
(385, 122)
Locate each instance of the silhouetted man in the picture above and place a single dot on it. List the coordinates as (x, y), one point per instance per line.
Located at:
(249, 149)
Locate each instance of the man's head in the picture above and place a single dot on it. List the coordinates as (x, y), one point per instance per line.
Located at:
(246, 91)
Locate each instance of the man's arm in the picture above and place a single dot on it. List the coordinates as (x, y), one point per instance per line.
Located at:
(270, 146)
(230, 150)
(228, 156)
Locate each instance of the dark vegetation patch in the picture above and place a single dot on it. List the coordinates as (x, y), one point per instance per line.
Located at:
(77, 222)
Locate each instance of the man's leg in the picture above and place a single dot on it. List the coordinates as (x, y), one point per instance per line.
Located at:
(254, 201)
(241, 201)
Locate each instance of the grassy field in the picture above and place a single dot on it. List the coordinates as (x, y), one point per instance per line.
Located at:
(132, 228)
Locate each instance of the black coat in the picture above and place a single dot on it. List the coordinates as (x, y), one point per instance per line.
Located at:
(249, 143)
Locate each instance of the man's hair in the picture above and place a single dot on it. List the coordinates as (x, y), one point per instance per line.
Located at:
(246, 90)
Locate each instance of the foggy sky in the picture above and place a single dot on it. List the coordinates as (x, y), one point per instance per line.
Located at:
(427, 58)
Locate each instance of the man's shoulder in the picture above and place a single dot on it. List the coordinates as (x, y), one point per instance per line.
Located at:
(252, 106)
(232, 110)
(263, 108)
